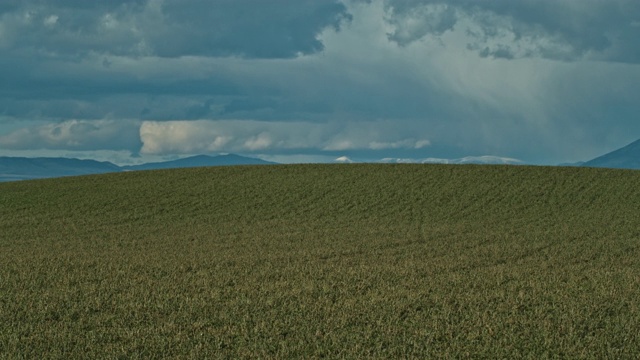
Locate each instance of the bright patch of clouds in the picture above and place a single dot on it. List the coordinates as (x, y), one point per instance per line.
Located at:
(203, 136)
(402, 144)
(51, 20)
(198, 136)
(340, 145)
(181, 137)
(260, 142)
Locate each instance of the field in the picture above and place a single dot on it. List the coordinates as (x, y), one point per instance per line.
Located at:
(335, 261)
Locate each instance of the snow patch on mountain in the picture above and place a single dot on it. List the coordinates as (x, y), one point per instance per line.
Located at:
(486, 160)
(344, 160)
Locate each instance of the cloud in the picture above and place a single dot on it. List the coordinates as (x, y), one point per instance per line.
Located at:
(554, 29)
(411, 23)
(171, 28)
(545, 81)
(250, 136)
(408, 143)
(75, 135)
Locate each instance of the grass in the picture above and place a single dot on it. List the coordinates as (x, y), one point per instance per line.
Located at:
(310, 261)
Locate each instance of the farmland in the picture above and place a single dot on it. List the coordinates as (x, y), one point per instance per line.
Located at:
(338, 261)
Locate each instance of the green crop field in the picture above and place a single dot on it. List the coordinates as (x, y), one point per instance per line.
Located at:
(334, 261)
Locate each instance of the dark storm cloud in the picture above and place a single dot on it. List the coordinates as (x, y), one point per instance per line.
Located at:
(62, 59)
(273, 29)
(170, 28)
(70, 28)
(555, 29)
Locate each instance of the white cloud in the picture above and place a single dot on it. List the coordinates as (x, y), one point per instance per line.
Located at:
(340, 145)
(51, 20)
(182, 137)
(259, 142)
(421, 144)
(402, 144)
(188, 137)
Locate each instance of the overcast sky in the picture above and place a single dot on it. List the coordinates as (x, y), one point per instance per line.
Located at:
(542, 81)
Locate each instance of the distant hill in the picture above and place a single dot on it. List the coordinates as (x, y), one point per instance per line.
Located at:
(21, 168)
(627, 157)
(200, 160)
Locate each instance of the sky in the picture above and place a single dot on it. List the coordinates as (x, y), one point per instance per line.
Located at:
(130, 81)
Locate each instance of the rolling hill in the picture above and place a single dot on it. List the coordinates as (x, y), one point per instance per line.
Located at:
(334, 261)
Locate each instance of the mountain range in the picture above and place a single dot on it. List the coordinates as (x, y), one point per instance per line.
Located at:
(21, 168)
